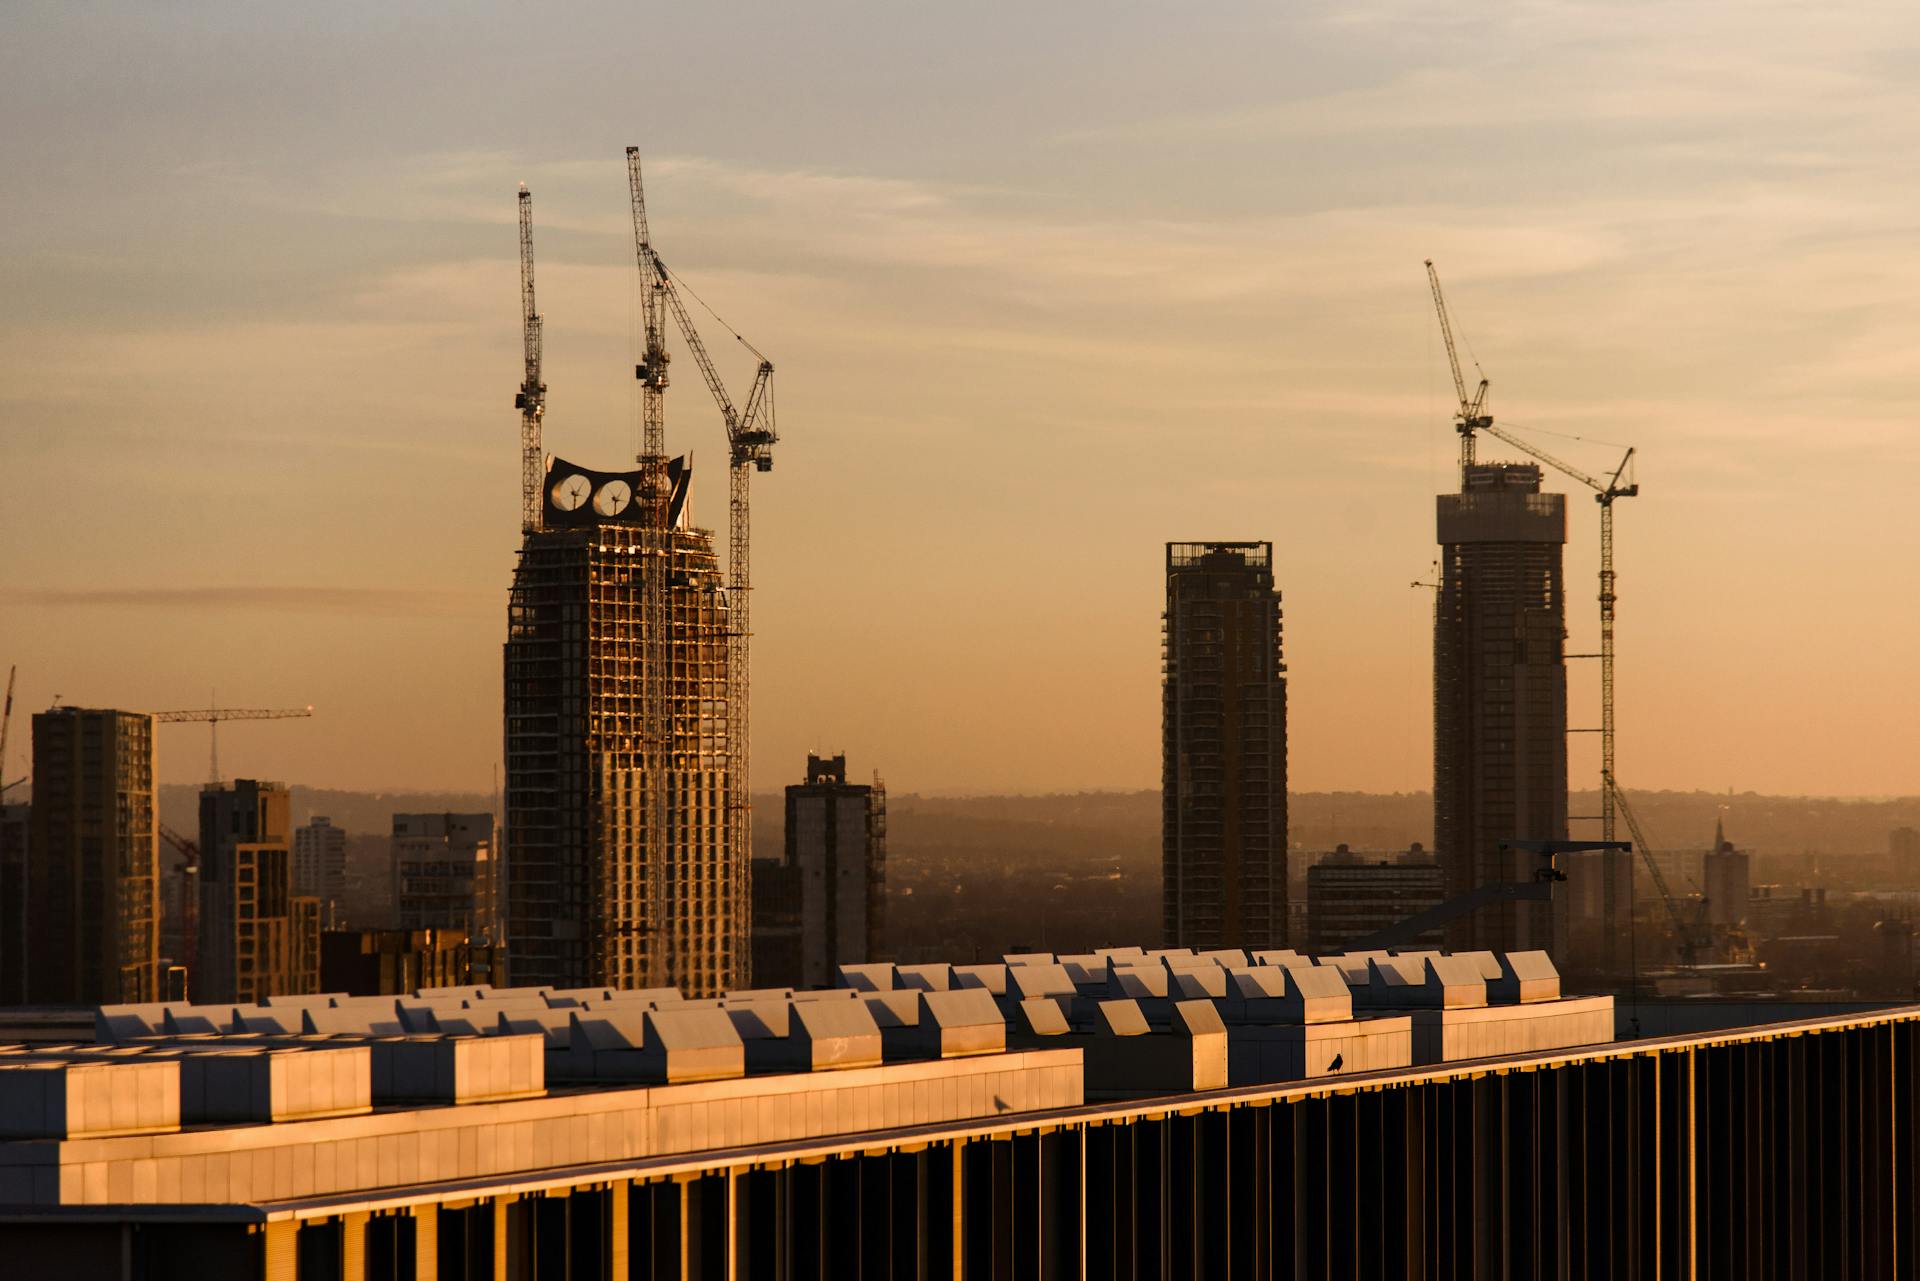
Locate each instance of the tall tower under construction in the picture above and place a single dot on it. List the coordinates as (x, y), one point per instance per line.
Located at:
(1499, 696)
(628, 824)
(620, 870)
(1223, 749)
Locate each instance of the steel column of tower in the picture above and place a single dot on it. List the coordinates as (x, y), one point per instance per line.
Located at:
(750, 440)
(531, 399)
(651, 372)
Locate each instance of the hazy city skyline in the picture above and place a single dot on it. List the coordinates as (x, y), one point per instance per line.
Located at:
(1090, 282)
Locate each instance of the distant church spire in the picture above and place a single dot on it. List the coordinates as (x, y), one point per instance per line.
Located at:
(1719, 834)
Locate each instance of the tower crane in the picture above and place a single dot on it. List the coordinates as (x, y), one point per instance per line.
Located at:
(1472, 416)
(751, 436)
(212, 716)
(531, 399)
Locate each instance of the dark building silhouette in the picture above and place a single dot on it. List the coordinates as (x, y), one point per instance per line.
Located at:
(1499, 696)
(822, 904)
(15, 835)
(89, 899)
(622, 870)
(1224, 749)
(400, 962)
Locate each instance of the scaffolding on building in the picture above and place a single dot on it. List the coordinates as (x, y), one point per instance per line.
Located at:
(591, 795)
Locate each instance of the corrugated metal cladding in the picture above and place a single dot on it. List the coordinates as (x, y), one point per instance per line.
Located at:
(1784, 1155)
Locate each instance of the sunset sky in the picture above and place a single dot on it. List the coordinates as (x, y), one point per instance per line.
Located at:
(1046, 285)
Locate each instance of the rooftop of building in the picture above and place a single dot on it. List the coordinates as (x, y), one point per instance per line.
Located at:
(1220, 555)
(315, 1100)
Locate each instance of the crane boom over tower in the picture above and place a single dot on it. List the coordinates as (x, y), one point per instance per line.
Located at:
(531, 399)
(212, 716)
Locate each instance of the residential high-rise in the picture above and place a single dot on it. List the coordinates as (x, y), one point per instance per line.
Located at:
(1500, 698)
(90, 898)
(623, 870)
(257, 937)
(320, 866)
(1223, 749)
(826, 897)
(445, 873)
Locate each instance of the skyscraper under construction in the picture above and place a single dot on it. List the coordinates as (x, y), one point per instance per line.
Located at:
(1223, 750)
(1499, 696)
(628, 826)
(620, 871)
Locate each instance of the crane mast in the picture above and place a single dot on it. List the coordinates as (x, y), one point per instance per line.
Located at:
(652, 369)
(531, 399)
(657, 547)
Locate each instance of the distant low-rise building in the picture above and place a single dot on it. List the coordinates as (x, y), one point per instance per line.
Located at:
(1585, 890)
(1726, 875)
(1903, 845)
(397, 962)
(320, 867)
(444, 873)
(1349, 898)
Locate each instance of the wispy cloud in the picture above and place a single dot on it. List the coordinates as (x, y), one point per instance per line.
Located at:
(382, 602)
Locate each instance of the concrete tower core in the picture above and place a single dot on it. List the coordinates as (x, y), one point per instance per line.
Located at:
(592, 899)
(1223, 750)
(1500, 697)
